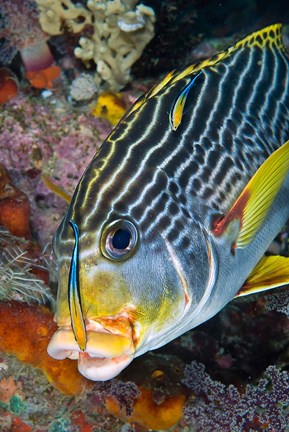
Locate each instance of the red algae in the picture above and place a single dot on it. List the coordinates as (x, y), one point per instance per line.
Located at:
(14, 207)
(80, 421)
(12, 423)
(19, 426)
(44, 78)
(8, 85)
(25, 332)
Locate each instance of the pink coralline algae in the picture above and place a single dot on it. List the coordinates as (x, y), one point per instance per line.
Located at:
(39, 136)
(18, 27)
(263, 407)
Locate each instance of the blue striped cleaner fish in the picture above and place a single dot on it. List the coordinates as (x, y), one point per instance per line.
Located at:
(172, 217)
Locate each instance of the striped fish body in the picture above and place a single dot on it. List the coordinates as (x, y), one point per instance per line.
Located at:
(154, 258)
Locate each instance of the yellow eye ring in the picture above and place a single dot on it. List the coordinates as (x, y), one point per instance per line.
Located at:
(119, 240)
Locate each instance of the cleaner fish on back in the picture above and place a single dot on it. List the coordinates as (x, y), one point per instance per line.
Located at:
(173, 215)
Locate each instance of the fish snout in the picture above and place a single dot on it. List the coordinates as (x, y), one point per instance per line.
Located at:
(106, 353)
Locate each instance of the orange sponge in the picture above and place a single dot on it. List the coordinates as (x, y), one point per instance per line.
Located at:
(14, 207)
(25, 331)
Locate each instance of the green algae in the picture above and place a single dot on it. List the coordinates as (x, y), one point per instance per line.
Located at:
(16, 405)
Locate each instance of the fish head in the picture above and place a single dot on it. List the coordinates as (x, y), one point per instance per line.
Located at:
(132, 287)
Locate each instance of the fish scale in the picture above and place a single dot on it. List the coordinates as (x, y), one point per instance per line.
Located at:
(241, 138)
(165, 235)
(199, 130)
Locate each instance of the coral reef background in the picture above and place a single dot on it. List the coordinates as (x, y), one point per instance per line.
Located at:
(57, 104)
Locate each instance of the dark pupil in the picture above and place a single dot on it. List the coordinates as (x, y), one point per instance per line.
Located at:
(121, 239)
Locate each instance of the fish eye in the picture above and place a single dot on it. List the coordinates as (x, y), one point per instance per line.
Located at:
(119, 239)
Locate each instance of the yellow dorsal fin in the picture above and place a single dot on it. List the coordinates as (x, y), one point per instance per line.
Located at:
(267, 37)
(152, 92)
(158, 87)
(270, 272)
(54, 188)
(252, 206)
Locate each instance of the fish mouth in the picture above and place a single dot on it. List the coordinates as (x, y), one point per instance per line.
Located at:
(106, 353)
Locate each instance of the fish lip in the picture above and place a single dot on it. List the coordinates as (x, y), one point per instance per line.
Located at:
(106, 354)
(102, 369)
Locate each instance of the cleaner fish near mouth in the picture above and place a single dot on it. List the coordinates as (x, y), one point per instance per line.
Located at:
(173, 215)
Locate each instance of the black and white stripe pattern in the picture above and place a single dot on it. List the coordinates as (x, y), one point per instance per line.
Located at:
(236, 114)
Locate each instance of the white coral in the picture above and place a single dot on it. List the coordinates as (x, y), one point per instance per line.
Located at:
(54, 13)
(121, 31)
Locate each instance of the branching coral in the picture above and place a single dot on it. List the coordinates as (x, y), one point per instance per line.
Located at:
(220, 407)
(54, 14)
(121, 31)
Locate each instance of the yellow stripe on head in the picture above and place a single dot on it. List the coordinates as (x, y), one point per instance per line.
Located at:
(77, 321)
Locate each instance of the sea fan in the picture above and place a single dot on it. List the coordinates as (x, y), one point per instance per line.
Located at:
(16, 280)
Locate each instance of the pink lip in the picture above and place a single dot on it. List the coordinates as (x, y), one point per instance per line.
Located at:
(105, 356)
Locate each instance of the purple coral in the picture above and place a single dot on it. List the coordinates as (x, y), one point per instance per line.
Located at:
(278, 302)
(220, 407)
(124, 393)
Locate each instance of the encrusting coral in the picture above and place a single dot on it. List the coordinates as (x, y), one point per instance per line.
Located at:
(121, 30)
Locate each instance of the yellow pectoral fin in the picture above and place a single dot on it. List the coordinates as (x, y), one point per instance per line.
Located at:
(252, 206)
(54, 188)
(270, 272)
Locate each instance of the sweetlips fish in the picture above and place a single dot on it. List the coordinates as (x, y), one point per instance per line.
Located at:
(172, 217)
